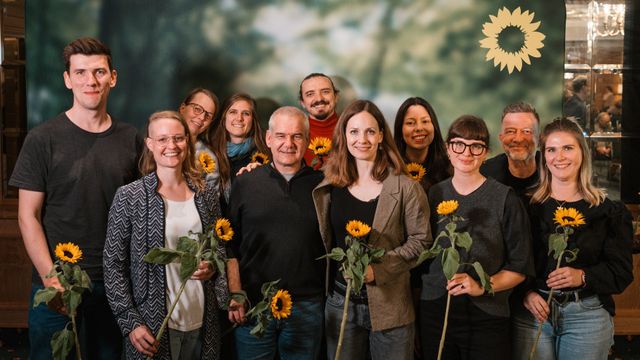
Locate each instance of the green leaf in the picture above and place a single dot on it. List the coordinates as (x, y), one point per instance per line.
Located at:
(336, 254)
(365, 260)
(81, 277)
(441, 235)
(71, 300)
(557, 244)
(61, 343)
(450, 262)
(376, 255)
(485, 280)
(220, 265)
(187, 245)
(451, 227)
(44, 295)
(188, 265)
(463, 240)
(572, 255)
(162, 256)
(266, 287)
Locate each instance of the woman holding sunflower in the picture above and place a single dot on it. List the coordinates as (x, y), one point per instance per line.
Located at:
(237, 139)
(496, 220)
(577, 323)
(168, 202)
(365, 179)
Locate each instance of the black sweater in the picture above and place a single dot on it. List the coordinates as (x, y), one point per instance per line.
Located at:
(276, 232)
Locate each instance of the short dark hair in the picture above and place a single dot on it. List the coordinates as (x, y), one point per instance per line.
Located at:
(312, 75)
(520, 107)
(86, 46)
(578, 83)
(469, 127)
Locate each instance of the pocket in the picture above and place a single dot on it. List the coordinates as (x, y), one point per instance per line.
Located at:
(335, 300)
(591, 303)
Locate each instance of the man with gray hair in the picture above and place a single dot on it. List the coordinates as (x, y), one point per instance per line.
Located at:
(277, 237)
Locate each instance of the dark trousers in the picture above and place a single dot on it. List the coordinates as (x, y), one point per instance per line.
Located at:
(471, 333)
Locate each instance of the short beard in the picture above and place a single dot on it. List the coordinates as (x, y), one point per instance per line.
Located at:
(520, 157)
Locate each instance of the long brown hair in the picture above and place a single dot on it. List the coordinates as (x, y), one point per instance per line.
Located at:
(147, 163)
(341, 170)
(218, 135)
(591, 194)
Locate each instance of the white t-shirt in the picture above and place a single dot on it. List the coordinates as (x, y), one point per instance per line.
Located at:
(182, 216)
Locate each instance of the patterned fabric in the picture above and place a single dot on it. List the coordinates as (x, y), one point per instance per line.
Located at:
(136, 289)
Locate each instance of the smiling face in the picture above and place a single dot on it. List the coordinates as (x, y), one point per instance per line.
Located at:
(417, 128)
(287, 141)
(466, 162)
(202, 104)
(318, 97)
(238, 121)
(90, 80)
(519, 136)
(563, 156)
(363, 136)
(167, 142)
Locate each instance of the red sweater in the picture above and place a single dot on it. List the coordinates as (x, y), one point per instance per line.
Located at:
(320, 128)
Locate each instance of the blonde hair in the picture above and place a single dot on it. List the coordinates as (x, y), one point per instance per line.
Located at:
(590, 193)
(148, 163)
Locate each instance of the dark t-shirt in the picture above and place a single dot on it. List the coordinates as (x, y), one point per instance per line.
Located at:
(498, 168)
(79, 172)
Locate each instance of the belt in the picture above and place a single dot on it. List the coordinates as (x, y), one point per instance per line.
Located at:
(563, 297)
(341, 289)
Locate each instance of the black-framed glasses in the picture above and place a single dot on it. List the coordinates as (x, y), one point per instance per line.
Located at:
(198, 110)
(459, 147)
(164, 140)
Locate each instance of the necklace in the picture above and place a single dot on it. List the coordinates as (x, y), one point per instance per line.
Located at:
(561, 203)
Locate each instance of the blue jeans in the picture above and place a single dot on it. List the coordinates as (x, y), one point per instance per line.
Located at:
(98, 332)
(297, 337)
(579, 329)
(185, 344)
(359, 340)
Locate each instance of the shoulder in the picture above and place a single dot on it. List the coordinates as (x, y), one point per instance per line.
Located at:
(49, 128)
(496, 166)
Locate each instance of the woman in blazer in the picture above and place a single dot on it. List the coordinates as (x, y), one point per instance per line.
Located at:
(365, 180)
(170, 200)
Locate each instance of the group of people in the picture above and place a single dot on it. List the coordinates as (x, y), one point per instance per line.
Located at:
(89, 179)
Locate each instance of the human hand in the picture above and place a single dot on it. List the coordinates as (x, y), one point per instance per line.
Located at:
(462, 283)
(536, 305)
(56, 304)
(143, 340)
(369, 276)
(205, 271)
(248, 168)
(236, 312)
(565, 277)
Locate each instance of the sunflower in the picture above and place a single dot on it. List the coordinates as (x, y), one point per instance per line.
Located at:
(416, 171)
(259, 157)
(68, 252)
(207, 164)
(281, 304)
(568, 217)
(528, 42)
(223, 229)
(358, 229)
(447, 207)
(320, 146)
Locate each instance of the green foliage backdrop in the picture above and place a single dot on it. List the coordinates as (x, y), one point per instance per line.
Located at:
(383, 50)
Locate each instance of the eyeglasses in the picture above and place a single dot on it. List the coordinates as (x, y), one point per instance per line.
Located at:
(164, 141)
(459, 147)
(198, 110)
(513, 132)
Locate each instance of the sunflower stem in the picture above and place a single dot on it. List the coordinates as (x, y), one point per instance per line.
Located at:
(444, 327)
(75, 336)
(345, 310)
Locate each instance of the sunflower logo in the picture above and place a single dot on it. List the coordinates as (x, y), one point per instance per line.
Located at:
(447, 207)
(207, 164)
(416, 171)
(223, 229)
(281, 304)
(259, 157)
(568, 217)
(68, 252)
(357, 228)
(320, 146)
(512, 38)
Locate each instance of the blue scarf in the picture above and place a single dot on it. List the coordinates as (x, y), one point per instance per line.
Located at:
(234, 150)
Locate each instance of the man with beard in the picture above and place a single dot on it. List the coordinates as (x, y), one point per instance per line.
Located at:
(518, 166)
(318, 96)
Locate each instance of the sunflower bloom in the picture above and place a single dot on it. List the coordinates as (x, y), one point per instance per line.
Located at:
(416, 171)
(68, 252)
(207, 164)
(358, 229)
(259, 157)
(320, 146)
(520, 21)
(447, 207)
(281, 304)
(223, 229)
(568, 217)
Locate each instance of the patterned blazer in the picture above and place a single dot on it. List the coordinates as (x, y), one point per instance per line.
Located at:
(137, 290)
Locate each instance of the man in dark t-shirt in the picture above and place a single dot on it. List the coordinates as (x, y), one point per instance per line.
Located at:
(518, 166)
(67, 173)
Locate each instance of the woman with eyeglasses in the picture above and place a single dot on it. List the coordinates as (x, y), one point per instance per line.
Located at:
(578, 324)
(495, 218)
(199, 110)
(237, 139)
(168, 202)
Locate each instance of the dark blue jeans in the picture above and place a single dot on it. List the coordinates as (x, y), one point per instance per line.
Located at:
(297, 337)
(98, 332)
